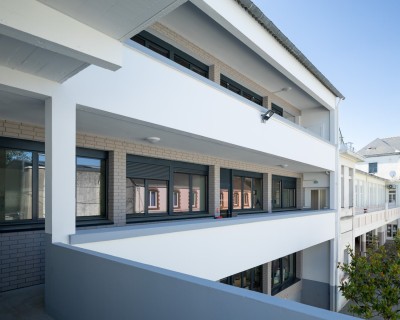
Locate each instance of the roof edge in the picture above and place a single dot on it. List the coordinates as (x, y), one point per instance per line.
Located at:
(268, 25)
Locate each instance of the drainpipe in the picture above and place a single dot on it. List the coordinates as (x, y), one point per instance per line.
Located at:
(335, 244)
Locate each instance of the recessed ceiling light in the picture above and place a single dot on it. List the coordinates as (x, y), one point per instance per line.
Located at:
(153, 139)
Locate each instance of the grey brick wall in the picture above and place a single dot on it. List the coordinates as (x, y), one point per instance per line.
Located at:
(21, 259)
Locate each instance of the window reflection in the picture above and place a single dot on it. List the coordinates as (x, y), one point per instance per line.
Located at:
(199, 184)
(15, 185)
(90, 187)
(135, 196)
(283, 273)
(158, 200)
(181, 189)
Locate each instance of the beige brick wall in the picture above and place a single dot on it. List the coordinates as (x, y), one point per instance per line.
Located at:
(118, 149)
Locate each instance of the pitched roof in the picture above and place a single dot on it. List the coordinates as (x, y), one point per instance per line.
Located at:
(260, 17)
(381, 147)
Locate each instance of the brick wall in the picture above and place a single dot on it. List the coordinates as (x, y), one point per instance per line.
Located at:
(21, 259)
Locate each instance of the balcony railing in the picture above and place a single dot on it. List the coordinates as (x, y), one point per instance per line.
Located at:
(372, 208)
(146, 292)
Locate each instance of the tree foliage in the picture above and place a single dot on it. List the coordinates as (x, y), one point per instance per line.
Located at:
(373, 281)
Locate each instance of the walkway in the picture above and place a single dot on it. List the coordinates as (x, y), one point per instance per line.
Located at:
(26, 303)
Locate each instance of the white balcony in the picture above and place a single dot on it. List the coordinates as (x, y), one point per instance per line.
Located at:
(158, 94)
(368, 221)
(228, 245)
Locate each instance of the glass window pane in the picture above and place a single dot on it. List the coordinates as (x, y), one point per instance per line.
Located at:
(257, 194)
(15, 185)
(288, 198)
(199, 193)
(135, 196)
(181, 192)
(275, 273)
(224, 200)
(158, 196)
(90, 187)
(257, 283)
(237, 280)
(246, 279)
(247, 196)
(237, 192)
(276, 194)
(41, 191)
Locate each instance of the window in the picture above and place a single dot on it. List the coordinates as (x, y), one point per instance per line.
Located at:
(283, 273)
(91, 185)
(156, 187)
(244, 187)
(22, 182)
(278, 110)
(250, 279)
(153, 199)
(240, 90)
(373, 167)
(16, 185)
(392, 196)
(139, 202)
(283, 192)
(191, 188)
(163, 48)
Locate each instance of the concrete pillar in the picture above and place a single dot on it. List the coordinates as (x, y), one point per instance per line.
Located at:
(363, 243)
(382, 235)
(214, 73)
(266, 278)
(214, 190)
(317, 287)
(266, 103)
(299, 193)
(60, 137)
(117, 187)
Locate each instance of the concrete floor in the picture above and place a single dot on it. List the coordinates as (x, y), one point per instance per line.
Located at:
(26, 303)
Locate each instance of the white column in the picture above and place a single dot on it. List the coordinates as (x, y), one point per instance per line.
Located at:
(363, 244)
(60, 133)
(381, 235)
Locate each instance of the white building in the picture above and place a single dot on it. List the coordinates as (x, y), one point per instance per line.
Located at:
(368, 207)
(136, 123)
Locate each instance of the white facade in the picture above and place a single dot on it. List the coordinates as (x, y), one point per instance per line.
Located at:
(368, 208)
(83, 89)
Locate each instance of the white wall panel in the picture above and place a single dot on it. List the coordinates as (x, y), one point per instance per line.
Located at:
(156, 92)
(216, 252)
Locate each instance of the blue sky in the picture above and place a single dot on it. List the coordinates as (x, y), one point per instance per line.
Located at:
(356, 45)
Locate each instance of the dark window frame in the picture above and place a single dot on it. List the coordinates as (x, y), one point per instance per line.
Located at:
(37, 147)
(284, 180)
(101, 155)
(230, 279)
(277, 109)
(171, 167)
(227, 178)
(146, 39)
(283, 284)
(240, 90)
(373, 167)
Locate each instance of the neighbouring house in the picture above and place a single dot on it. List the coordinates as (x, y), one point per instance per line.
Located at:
(368, 205)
